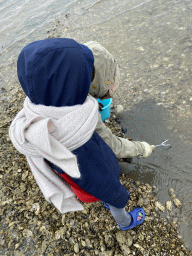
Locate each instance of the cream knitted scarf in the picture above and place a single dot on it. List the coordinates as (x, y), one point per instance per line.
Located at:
(45, 132)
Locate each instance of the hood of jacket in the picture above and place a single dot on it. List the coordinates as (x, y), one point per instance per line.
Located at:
(55, 72)
(107, 74)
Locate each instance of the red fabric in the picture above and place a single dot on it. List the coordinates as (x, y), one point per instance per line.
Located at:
(79, 192)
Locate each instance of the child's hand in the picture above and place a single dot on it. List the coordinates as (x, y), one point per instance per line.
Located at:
(148, 149)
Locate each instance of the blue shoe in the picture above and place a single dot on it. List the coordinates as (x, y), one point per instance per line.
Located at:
(107, 206)
(138, 216)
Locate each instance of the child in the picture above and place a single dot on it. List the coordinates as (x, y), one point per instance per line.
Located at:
(59, 132)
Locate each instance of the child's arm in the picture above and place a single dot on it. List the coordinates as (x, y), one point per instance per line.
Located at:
(122, 147)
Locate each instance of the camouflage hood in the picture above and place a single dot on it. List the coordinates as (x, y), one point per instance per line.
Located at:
(107, 75)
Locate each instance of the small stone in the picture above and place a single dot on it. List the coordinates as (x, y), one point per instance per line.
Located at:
(88, 243)
(138, 99)
(24, 175)
(117, 120)
(140, 202)
(18, 253)
(171, 191)
(119, 108)
(138, 246)
(125, 249)
(160, 206)
(141, 48)
(76, 248)
(22, 187)
(148, 187)
(102, 248)
(146, 201)
(83, 243)
(17, 245)
(63, 219)
(123, 238)
(124, 130)
(71, 240)
(109, 240)
(177, 202)
(120, 235)
(36, 208)
(27, 233)
(107, 253)
(175, 220)
(169, 205)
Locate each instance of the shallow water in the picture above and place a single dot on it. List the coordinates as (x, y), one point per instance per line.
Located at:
(22, 22)
(166, 167)
(152, 42)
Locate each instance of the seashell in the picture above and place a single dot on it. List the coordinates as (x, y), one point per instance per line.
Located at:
(119, 108)
(71, 240)
(88, 243)
(138, 246)
(173, 196)
(17, 245)
(76, 248)
(169, 205)
(171, 191)
(140, 202)
(177, 202)
(27, 233)
(22, 187)
(148, 187)
(146, 201)
(36, 208)
(24, 175)
(160, 206)
(125, 249)
(63, 219)
(175, 221)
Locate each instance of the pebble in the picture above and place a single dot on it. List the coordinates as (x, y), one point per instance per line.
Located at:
(26, 214)
(138, 246)
(27, 233)
(169, 205)
(76, 248)
(117, 120)
(177, 202)
(124, 238)
(119, 108)
(160, 206)
(124, 130)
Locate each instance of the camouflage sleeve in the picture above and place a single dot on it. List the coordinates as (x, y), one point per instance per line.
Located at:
(122, 148)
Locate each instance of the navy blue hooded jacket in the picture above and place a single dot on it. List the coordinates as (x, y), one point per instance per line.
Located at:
(57, 72)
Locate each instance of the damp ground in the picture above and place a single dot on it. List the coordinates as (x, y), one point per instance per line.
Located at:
(167, 167)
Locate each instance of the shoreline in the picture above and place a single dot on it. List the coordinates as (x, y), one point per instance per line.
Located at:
(32, 226)
(150, 68)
